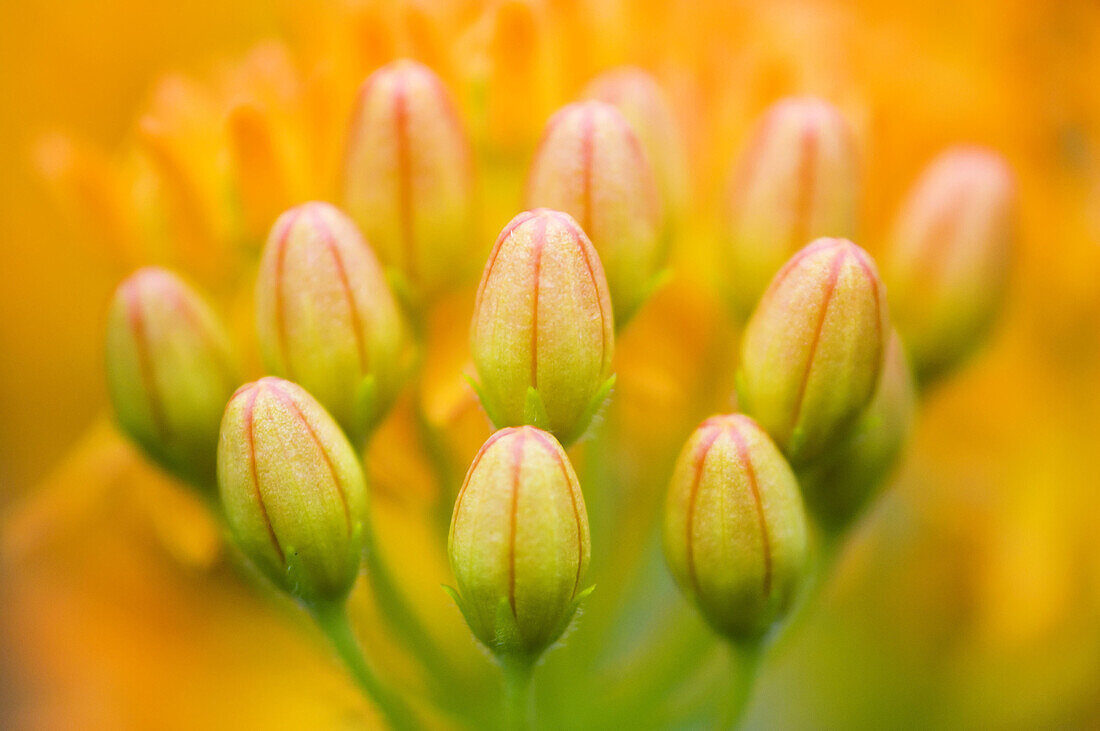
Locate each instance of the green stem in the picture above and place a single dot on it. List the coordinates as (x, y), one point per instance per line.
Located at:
(519, 701)
(744, 667)
(333, 621)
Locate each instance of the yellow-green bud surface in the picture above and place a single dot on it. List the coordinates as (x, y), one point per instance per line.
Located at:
(170, 370)
(813, 348)
(847, 478)
(293, 490)
(734, 527)
(519, 543)
(408, 176)
(591, 165)
(326, 318)
(543, 334)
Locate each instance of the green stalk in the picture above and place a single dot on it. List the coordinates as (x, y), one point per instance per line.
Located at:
(744, 667)
(519, 701)
(333, 621)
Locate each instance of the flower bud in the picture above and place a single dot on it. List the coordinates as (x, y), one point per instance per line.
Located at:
(326, 318)
(812, 350)
(846, 479)
(407, 176)
(948, 261)
(170, 370)
(519, 543)
(591, 165)
(293, 490)
(734, 528)
(643, 104)
(543, 335)
(795, 182)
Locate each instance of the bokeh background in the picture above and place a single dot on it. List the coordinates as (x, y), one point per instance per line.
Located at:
(969, 598)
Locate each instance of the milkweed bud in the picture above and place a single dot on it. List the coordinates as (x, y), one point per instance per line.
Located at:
(643, 104)
(543, 335)
(519, 543)
(293, 490)
(796, 181)
(734, 527)
(812, 350)
(591, 165)
(326, 318)
(407, 176)
(170, 370)
(948, 262)
(847, 478)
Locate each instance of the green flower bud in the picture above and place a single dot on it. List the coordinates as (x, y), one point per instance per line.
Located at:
(642, 102)
(796, 181)
(847, 478)
(170, 370)
(408, 175)
(948, 262)
(812, 350)
(519, 543)
(591, 165)
(326, 318)
(293, 490)
(543, 334)
(734, 527)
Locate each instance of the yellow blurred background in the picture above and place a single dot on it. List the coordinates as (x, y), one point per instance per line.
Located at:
(970, 598)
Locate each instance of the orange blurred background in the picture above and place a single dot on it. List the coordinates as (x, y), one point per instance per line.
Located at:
(970, 599)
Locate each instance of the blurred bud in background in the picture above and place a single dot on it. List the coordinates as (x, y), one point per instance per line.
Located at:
(519, 543)
(643, 104)
(849, 476)
(796, 181)
(293, 490)
(543, 333)
(734, 528)
(170, 370)
(326, 318)
(408, 176)
(813, 349)
(948, 261)
(591, 165)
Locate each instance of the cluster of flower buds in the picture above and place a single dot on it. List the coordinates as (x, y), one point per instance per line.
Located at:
(824, 381)
(519, 543)
(947, 265)
(795, 182)
(293, 490)
(170, 370)
(591, 165)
